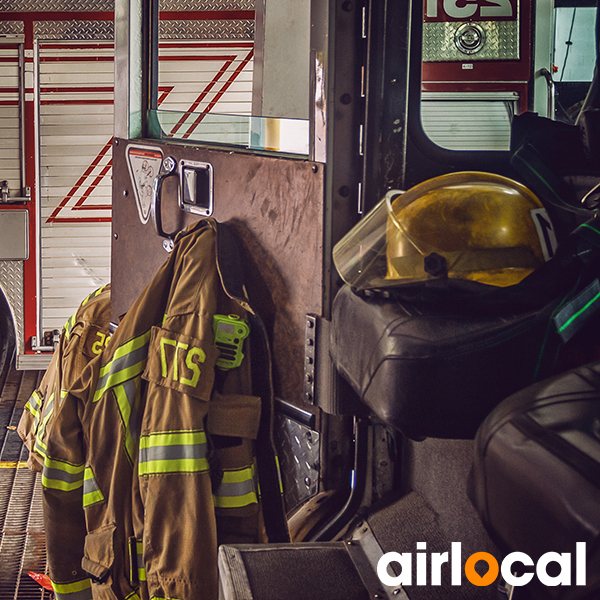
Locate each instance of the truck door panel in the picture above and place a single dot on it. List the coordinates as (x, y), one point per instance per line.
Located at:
(275, 206)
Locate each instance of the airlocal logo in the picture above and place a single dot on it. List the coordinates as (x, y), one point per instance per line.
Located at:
(454, 560)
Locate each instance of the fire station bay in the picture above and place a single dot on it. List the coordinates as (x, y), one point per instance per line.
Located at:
(299, 300)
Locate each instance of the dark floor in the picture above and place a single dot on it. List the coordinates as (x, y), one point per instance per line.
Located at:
(22, 542)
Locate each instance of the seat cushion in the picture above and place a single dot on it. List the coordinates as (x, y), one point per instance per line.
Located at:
(430, 373)
(535, 481)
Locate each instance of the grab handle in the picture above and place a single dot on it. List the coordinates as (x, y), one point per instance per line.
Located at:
(168, 169)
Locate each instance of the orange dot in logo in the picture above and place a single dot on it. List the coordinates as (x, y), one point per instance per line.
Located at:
(474, 577)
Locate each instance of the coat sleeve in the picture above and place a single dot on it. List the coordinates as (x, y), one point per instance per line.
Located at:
(62, 486)
(34, 414)
(59, 440)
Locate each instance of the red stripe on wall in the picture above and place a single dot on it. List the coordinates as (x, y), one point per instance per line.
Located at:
(208, 57)
(64, 102)
(76, 58)
(205, 15)
(76, 90)
(201, 97)
(48, 46)
(165, 15)
(218, 96)
(207, 45)
(58, 16)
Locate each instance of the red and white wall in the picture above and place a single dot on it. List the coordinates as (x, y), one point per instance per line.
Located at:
(68, 132)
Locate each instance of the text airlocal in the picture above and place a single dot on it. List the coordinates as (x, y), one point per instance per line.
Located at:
(429, 572)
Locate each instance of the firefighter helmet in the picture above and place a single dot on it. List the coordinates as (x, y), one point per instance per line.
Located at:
(468, 225)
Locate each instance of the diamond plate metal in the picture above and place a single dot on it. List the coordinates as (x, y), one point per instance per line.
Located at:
(74, 30)
(206, 5)
(501, 42)
(11, 282)
(12, 27)
(298, 449)
(56, 5)
(242, 29)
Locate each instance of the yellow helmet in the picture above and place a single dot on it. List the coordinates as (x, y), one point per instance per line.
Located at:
(468, 225)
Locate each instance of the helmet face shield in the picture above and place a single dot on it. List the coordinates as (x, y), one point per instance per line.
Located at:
(475, 226)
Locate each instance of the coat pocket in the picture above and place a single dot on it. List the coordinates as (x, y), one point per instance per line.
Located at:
(98, 553)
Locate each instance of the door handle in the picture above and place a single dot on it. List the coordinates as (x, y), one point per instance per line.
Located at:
(168, 169)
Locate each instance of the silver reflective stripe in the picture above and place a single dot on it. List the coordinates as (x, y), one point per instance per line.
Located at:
(91, 492)
(34, 404)
(140, 560)
(172, 452)
(127, 396)
(236, 489)
(62, 476)
(79, 590)
(129, 361)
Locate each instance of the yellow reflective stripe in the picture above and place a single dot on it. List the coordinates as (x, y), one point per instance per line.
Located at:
(78, 590)
(49, 410)
(279, 474)
(132, 596)
(239, 475)
(129, 361)
(38, 417)
(235, 501)
(237, 489)
(40, 447)
(61, 475)
(173, 438)
(34, 404)
(91, 492)
(65, 466)
(93, 295)
(182, 465)
(68, 327)
(140, 560)
(173, 452)
(126, 401)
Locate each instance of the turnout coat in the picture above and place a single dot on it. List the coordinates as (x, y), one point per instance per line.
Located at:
(151, 459)
(82, 338)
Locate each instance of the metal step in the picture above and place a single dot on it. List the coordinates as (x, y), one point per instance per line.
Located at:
(22, 540)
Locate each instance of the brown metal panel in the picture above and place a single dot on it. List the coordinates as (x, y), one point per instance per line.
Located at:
(275, 205)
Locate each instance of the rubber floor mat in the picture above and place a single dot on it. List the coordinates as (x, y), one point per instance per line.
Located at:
(22, 540)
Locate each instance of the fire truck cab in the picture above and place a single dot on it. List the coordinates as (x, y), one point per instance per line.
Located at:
(331, 106)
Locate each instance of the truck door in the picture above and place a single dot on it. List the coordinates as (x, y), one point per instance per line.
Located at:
(264, 175)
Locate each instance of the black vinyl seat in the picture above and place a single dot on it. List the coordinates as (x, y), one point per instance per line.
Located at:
(431, 372)
(535, 482)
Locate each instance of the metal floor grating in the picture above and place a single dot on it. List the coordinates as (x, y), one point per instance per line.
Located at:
(22, 540)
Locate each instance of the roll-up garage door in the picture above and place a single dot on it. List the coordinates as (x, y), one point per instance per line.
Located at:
(9, 119)
(76, 125)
